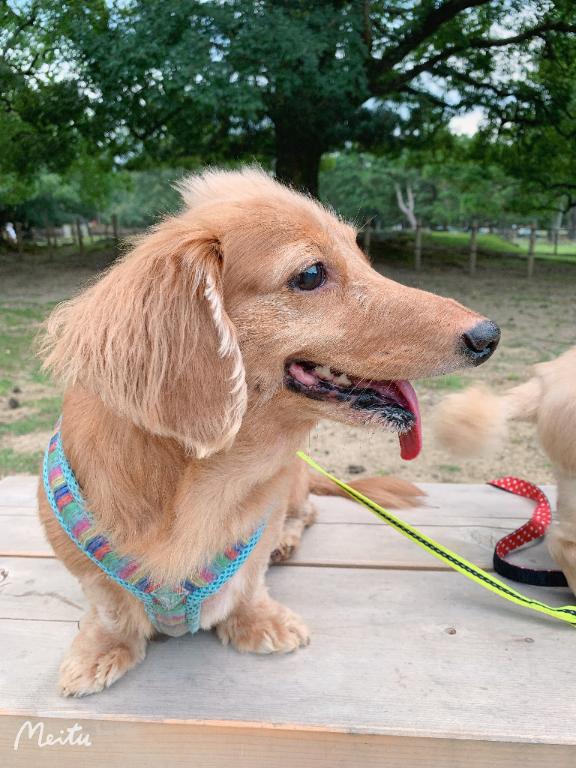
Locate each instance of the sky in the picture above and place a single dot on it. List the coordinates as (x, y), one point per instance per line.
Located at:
(467, 124)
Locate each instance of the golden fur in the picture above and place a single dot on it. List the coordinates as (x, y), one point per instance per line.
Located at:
(476, 421)
(176, 421)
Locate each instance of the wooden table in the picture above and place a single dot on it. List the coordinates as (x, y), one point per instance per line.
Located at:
(410, 664)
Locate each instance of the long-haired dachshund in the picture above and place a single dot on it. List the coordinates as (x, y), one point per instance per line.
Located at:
(195, 368)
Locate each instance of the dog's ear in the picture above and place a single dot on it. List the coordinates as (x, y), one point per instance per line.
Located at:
(153, 340)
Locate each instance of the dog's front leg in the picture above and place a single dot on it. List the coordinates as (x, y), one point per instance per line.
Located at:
(253, 621)
(112, 639)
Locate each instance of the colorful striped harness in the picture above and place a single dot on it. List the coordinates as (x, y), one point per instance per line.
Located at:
(172, 610)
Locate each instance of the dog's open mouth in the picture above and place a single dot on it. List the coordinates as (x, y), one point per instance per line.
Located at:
(394, 402)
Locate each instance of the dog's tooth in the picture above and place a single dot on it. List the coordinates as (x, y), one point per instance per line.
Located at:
(343, 380)
(324, 372)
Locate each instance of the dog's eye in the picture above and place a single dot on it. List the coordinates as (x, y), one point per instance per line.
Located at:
(311, 278)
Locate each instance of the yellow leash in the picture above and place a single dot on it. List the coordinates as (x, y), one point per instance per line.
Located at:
(565, 613)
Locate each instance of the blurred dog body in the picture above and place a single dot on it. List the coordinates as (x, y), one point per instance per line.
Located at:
(476, 421)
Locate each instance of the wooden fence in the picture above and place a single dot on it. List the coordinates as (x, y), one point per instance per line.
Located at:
(49, 238)
(79, 233)
(370, 237)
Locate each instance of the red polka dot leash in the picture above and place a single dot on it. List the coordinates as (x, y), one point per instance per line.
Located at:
(534, 529)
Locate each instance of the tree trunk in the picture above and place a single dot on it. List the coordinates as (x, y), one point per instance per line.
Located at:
(297, 160)
(571, 223)
(407, 206)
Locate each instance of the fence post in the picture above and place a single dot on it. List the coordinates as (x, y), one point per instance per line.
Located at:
(115, 230)
(19, 243)
(80, 238)
(49, 243)
(418, 246)
(556, 242)
(473, 247)
(531, 250)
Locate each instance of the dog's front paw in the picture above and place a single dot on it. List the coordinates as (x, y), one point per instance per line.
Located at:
(83, 672)
(284, 551)
(291, 535)
(264, 627)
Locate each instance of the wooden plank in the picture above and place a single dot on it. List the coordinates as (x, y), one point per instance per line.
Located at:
(219, 745)
(42, 589)
(457, 503)
(20, 511)
(468, 519)
(22, 536)
(19, 491)
(396, 654)
(367, 546)
(455, 499)
(339, 544)
(39, 589)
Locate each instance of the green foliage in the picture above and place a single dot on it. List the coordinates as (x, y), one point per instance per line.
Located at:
(18, 329)
(84, 190)
(536, 140)
(450, 186)
(138, 85)
(145, 196)
(13, 462)
(44, 110)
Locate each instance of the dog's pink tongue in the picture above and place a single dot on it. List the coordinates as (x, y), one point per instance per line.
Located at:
(410, 442)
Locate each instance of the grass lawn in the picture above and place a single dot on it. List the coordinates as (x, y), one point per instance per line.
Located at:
(23, 384)
(29, 401)
(566, 252)
(462, 240)
(453, 248)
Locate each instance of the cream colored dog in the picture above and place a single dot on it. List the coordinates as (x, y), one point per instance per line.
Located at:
(475, 421)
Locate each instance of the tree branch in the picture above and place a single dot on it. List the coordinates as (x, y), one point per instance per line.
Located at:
(429, 24)
(435, 100)
(367, 32)
(24, 24)
(528, 34)
(429, 64)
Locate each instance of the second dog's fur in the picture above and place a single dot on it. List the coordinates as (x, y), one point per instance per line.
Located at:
(475, 422)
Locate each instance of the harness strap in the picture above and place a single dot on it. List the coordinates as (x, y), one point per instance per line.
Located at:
(173, 610)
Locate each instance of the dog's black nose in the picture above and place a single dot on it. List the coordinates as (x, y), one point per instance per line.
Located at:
(480, 341)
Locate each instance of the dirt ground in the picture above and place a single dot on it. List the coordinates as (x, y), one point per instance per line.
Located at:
(538, 321)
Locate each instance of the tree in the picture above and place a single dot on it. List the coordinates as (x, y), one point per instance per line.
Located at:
(450, 186)
(533, 137)
(287, 80)
(406, 205)
(46, 145)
